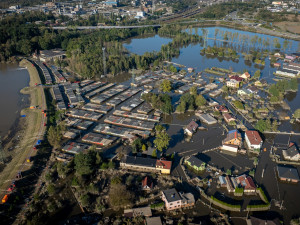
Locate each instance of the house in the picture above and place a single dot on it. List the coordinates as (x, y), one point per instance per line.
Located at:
(243, 92)
(191, 128)
(291, 153)
(153, 220)
(260, 83)
(223, 182)
(233, 83)
(229, 184)
(278, 54)
(247, 183)
(289, 174)
(245, 76)
(234, 137)
(253, 90)
(206, 118)
(253, 139)
(228, 117)
(195, 163)
(237, 78)
(287, 73)
(174, 200)
(147, 184)
(49, 55)
(163, 166)
(231, 148)
(221, 108)
(277, 64)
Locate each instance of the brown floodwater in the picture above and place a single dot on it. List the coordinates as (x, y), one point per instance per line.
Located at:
(12, 79)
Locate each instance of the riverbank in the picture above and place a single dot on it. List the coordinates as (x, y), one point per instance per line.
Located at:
(29, 129)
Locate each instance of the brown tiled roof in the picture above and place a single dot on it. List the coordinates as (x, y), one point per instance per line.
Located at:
(254, 137)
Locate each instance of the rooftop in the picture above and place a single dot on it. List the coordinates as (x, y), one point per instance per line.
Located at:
(254, 137)
(171, 195)
(288, 172)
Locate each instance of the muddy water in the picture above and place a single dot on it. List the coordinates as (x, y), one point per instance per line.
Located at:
(265, 176)
(12, 80)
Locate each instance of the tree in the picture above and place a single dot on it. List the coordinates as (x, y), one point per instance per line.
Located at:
(111, 165)
(119, 196)
(144, 147)
(173, 69)
(257, 74)
(166, 86)
(154, 154)
(228, 171)
(193, 90)
(136, 145)
(200, 100)
(51, 189)
(54, 136)
(85, 200)
(297, 114)
(162, 139)
(84, 163)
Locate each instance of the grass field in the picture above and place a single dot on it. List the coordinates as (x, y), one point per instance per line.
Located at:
(33, 128)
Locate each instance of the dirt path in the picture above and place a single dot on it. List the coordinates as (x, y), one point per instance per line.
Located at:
(33, 129)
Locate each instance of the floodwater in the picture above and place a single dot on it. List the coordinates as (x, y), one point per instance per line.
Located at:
(265, 176)
(12, 79)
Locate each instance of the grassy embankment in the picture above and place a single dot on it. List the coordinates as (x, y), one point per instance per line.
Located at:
(33, 127)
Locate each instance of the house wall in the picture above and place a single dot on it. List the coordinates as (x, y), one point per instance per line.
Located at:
(171, 205)
(250, 145)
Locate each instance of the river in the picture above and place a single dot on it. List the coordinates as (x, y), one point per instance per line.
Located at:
(190, 57)
(12, 79)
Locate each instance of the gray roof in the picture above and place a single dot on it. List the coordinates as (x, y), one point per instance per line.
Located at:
(171, 195)
(153, 221)
(287, 172)
(195, 161)
(132, 160)
(292, 151)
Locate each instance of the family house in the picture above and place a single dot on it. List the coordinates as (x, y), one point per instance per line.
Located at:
(291, 153)
(147, 184)
(234, 137)
(253, 139)
(195, 163)
(233, 83)
(289, 174)
(174, 200)
(221, 108)
(191, 128)
(245, 76)
(228, 117)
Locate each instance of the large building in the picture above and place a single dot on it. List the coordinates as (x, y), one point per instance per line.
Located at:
(253, 139)
(177, 200)
(146, 164)
(291, 153)
(195, 163)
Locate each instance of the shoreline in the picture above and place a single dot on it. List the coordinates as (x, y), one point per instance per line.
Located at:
(27, 129)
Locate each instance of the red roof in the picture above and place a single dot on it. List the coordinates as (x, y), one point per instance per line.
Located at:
(237, 78)
(228, 117)
(147, 182)
(164, 164)
(221, 108)
(249, 183)
(254, 137)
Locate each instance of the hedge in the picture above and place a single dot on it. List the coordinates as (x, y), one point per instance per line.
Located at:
(224, 203)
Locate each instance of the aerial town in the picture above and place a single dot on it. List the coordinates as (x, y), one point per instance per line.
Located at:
(134, 121)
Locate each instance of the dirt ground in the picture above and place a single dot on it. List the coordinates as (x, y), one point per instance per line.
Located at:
(29, 133)
(291, 25)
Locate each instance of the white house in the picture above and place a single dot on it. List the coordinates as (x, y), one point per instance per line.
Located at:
(253, 139)
(230, 148)
(291, 153)
(233, 83)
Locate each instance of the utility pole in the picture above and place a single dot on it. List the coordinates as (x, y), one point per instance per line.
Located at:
(104, 61)
(153, 6)
(2, 154)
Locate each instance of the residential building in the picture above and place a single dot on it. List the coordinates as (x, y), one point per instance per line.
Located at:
(49, 55)
(228, 117)
(253, 90)
(245, 76)
(221, 108)
(163, 166)
(289, 174)
(243, 92)
(195, 163)
(234, 137)
(247, 183)
(229, 185)
(174, 200)
(291, 153)
(147, 184)
(231, 148)
(233, 83)
(237, 78)
(287, 73)
(253, 139)
(223, 182)
(191, 128)
(260, 83)
(257, 221)
(206, 118)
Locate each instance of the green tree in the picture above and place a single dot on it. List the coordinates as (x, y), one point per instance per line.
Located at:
(84, 163)
(119, 196)
(166, 86)
(85, 200)
(154, 154)
(51, 189)
(54, 136)
(137, 144)
(257, 74)
(144, 147)
(297, 114)
(162, 140)
(200, 100)
(193, 91)
(228, 171)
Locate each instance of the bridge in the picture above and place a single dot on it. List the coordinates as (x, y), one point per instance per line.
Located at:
(104, 27)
